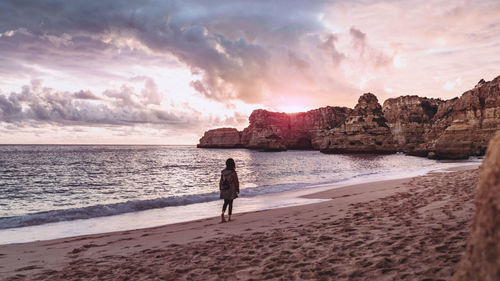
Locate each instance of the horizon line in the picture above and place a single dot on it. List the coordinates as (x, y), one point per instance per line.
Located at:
(89, 144)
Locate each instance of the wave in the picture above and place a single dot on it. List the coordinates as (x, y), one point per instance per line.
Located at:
(103, 210)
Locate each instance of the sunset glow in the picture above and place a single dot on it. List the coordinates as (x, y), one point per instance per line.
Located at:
(163, 72)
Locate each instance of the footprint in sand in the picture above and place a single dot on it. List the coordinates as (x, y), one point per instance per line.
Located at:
(31, 267)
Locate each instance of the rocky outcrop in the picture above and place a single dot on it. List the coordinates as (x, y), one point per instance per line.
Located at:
(453, 129)
(364, 131)
(281, 131)
(267, 130)
(221, 138)
(463, 126)
(274, 131)
(482, 257)
(409, 118)
(473, 120)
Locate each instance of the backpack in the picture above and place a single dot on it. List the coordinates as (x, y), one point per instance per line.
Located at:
(225, 183)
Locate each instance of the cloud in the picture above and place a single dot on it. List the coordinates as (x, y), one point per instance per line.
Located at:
(256, 52)
(37, 114)
(45, 105)
(368, 55)
(451, 85)
(428, 43)
(85, 95)
(358, 39)
(328, 46)
(230, 63)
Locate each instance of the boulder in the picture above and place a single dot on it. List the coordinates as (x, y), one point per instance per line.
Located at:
(482, 257)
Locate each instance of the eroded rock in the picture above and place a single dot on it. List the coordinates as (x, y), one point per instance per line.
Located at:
(364, 131)
(410, 118)
(221, 138)
(482, 257)
(451, 129)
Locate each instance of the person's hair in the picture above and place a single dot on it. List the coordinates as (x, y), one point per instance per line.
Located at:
(230, 164)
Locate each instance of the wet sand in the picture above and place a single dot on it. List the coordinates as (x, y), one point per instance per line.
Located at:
(406, 229)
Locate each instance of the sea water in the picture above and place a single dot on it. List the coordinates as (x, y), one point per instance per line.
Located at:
(52, 191)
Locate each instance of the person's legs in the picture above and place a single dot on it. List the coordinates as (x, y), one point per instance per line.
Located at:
(226, 202)
(230, 208)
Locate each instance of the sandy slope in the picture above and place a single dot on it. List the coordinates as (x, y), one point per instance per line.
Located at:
(409, 229)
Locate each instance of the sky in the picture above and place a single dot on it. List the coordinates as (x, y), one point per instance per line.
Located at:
(163, 72)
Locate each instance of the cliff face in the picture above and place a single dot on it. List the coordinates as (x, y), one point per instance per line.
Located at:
(467, 123)
(267, 130)
(409, 118)
(455, 128)
(280, 131)
(364, 131)
(482, 257)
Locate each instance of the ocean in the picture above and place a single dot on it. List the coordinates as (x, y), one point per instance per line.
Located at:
(53, 191)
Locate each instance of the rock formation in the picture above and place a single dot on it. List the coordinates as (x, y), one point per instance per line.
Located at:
(274, 131)
(364, 131)
(482, 257)
(409, 118)
(453, 129)
(281, 131)
(221, 138)
(267, 130)
(465, 125)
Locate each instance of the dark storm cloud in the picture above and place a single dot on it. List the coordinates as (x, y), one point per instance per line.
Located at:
(226, 43)
(249, 51)
(61, 35)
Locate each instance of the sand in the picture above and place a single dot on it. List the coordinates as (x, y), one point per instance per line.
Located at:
(407, 229)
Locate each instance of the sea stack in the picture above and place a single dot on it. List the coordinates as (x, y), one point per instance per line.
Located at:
(221, 138)
(482, 258)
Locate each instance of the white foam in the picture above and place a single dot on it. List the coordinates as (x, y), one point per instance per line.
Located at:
(143, 219)
(175, 214)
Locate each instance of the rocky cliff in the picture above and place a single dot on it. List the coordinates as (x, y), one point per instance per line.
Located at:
(281, 131)
(453, 129)
(482, 257)
(274, 131)
(409, 118)
(365, 130)
(463, 126)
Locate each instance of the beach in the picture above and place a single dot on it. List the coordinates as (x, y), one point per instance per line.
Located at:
(404, 229)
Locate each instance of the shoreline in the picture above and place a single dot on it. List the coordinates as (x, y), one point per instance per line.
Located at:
(343, 207)
(185, 213)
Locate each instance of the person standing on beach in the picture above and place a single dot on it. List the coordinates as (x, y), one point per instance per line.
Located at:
(229, 187)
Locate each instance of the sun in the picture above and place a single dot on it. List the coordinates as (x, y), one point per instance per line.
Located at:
(291, 103)
(291, 108)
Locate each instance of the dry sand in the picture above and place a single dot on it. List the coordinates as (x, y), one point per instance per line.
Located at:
(408, 229)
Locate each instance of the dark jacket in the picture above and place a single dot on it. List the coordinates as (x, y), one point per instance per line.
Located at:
(234, 186)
